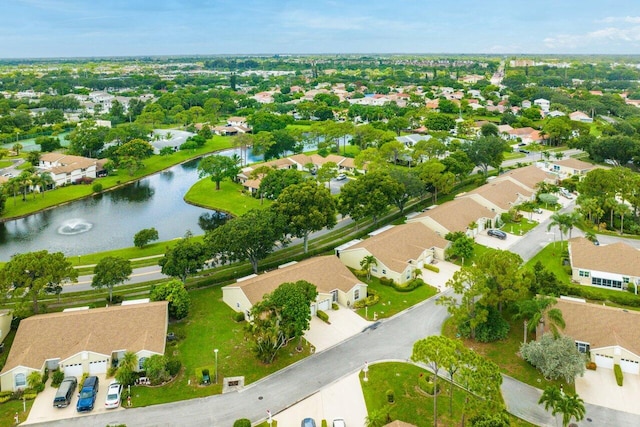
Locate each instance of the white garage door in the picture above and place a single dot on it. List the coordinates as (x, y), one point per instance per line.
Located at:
(73, 370)
(314, 309)
(324, 305)
(98, 367)
(630, 366)
(604, 361)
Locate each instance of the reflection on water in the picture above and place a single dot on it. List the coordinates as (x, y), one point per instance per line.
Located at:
(210, 220)
(137, 192)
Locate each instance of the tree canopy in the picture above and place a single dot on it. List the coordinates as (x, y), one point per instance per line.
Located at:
(110, 271)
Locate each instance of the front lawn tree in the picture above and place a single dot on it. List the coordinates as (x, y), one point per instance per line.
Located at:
(251, 237)
(554, 357)
(185, 258)
(144, 236)
(33, 274)
(218, 168)
(367, 264)
(559, 402)
(305, 208)
(109, 272)
(533, 312)
(486, 151)
(174, 292)
(369, 195)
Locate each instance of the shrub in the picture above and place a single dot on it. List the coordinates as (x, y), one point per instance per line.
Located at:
(567, 269)
(335, 306)
(97, 187)
(367, 302)
(45, 376)
(173, 366)
(115, 299)
(410, 286)
(617, 370)
(386, 281)
(631, 288)
(111, 372)
(6, 393)
(239, 316)
(591, 366)
(29, 396)
(242, 422)
(323, 316)
(426, 384)
(432, 268)
(323, 423)
(390, 396)
(4, 399)
(81, 382)
(494, 329)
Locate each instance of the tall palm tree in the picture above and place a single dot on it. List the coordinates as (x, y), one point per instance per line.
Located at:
(47, 181)
(571, 406)
(622, 209)
(376, 418)
(551, 397)
(557, 220)
(535, 310)
(367, 263)
(571, 220)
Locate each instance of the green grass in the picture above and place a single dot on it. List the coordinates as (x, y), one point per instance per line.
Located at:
(411, 405)
(514, 155)
(8, 411)
(551, 258)
(519, 228)
(230, 198)
(210, 325)
(391, 301)
(5, 163)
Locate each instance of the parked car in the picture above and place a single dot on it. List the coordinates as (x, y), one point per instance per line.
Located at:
(339, 422)
(565, 193)
(497, 233)
(596, 242)
(114, 394)
(341, 177)
(537, 210)
(308, 422)
(65, 392)
(88, 393)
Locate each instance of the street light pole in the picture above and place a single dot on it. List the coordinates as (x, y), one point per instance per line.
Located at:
(216, 353)
(365, 370)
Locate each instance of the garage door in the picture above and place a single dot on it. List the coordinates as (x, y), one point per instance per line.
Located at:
(630, 366)
(604, 361)
(324, 305)
(314, 309)
(73, 370)
(98, 367)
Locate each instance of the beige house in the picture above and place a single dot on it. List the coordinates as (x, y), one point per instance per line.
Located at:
(611, 335)
(6, 317)
(87, 340)
(457, 215)
(611, 266)
(569, 167)
(334, 282)
(527, 177)
(398, 250)
(499, 196)
(67, 169)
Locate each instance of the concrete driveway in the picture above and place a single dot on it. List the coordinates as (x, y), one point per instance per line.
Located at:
(440, 279)
(493, 242)
(599, 387)
(43, 410)
(342, 399)
(344, 324)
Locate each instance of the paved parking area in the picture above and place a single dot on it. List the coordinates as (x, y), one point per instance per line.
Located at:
(599, 387)
(440, 279)
(344, 324)
(342, 399)
(43, 410)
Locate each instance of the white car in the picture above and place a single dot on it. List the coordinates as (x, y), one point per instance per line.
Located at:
(341, 177)
(339, 422)
(113, 395)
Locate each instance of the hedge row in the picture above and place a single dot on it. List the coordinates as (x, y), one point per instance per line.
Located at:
(621, 298)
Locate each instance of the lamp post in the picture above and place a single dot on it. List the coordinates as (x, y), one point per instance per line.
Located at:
(216, 353)
(269, 419)
(365, 370)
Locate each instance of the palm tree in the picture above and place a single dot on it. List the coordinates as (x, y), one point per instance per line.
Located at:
(550, 398)
(417, 272)
(571, 220)
(367, 263)
(622, 209)
(17, 147)
(557, 220)
(377, 418)
(571, 406)
(47, 181)
(533, 312)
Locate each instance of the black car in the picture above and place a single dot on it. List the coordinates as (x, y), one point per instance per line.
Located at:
(497, 233)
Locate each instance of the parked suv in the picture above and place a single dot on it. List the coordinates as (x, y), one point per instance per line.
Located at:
(88, 393)
(65, 392)
(497, 233)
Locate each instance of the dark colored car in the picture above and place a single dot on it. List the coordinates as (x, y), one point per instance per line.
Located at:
(65, 392)
(497, 233)
(308, 422)
(88, 393)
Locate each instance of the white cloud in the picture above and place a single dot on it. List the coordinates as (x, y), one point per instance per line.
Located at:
(627, 19)
(610, 34)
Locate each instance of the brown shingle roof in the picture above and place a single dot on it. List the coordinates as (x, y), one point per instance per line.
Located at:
(326, 272)
(617, 258)
(529, 176)
(601, 326)
(395, 247)
(102, 330)
(457, 214)
(503, 193)
(574, 164)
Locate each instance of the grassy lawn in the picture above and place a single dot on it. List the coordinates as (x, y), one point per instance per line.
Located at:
(229, 198)
(5, 163)
(519, 228)
(391, 301)
(411, 405)
(209, 326)
(505, 354)
(514, 155)
(8, 411)
(551, 258)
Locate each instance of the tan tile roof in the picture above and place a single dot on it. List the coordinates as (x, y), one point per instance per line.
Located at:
(396, 246)
(503, 193)
(326, 272)
(574, 164)
(529, 176)
(68, 160)
(606, 326)
(457, 214)
(102, 330)
(617, 258)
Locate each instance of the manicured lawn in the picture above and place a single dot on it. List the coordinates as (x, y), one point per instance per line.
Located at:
(551, 258)
(514, 155)
(209, 326)
(8, 411)
(5, 163)
(391, 301)
(411, 404)
(519, 228)
(229, 198)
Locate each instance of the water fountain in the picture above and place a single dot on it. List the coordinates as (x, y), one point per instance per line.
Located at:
(74, 226)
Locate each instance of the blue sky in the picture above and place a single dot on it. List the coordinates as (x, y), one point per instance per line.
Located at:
(71, 28)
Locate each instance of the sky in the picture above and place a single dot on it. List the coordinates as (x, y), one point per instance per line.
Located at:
(96, 28)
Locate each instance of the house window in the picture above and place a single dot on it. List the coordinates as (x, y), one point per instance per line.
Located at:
(374, 269)
(607, 283)
(583, 347)
(21, 380)
(334, 295)
(583, 273)
(356, 294)
(384, 271)
(141, 363)
(237, 305)
(625, 280)
(556, 168)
